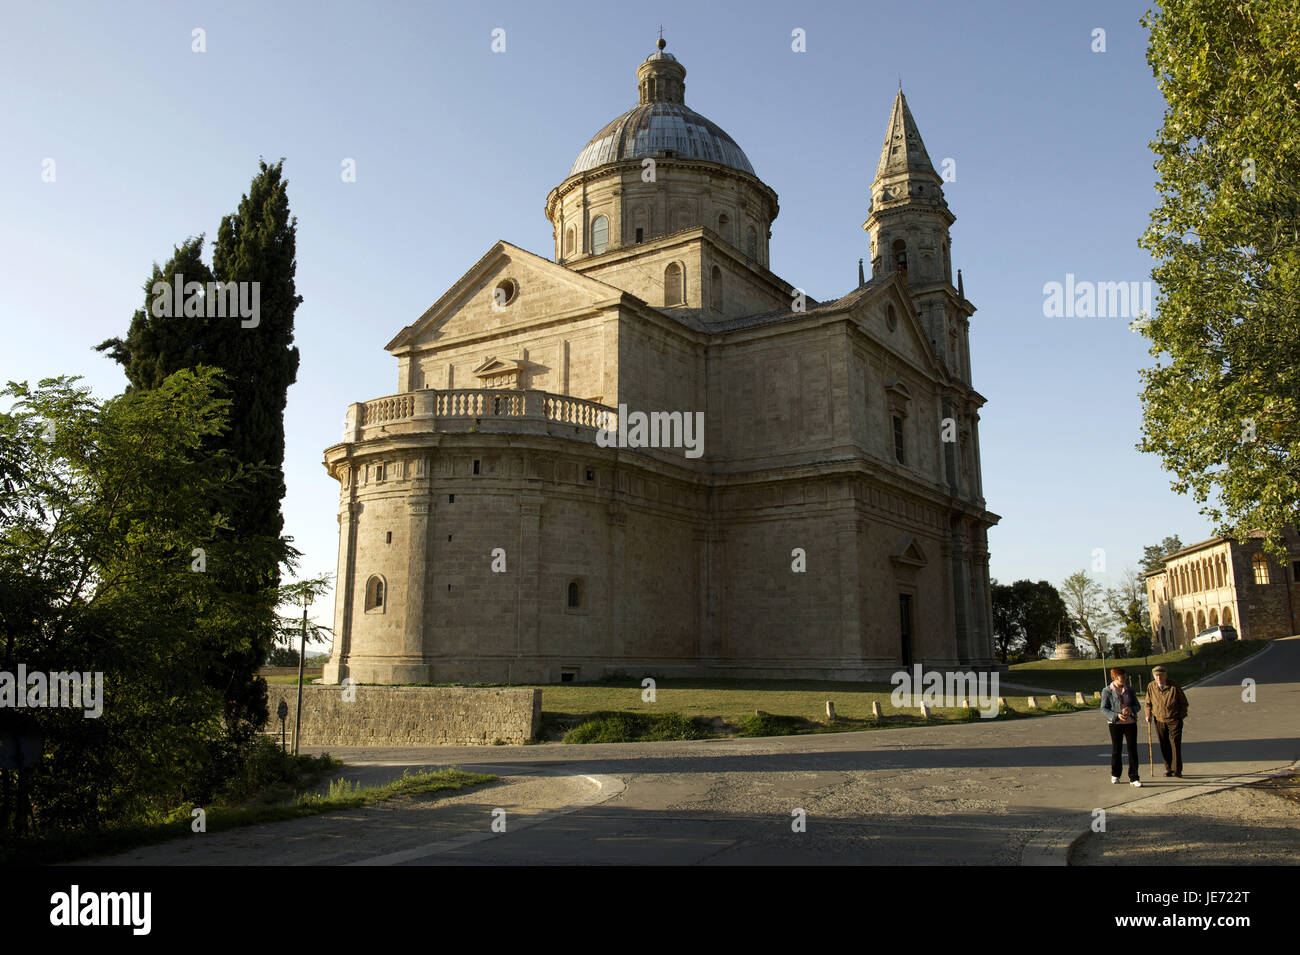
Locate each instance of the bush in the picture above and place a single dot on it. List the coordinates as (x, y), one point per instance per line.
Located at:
(621, 727)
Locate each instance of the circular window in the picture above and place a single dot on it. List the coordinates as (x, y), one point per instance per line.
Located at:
(506, 292)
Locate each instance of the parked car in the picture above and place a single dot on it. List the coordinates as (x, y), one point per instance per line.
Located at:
(1214, 635)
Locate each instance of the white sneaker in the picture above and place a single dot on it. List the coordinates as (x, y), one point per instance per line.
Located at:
(1137, 783)
(1114, 779)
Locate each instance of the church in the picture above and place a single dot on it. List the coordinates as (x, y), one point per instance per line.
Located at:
(803, 498)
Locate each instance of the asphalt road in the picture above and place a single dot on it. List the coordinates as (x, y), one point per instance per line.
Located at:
(979, 793)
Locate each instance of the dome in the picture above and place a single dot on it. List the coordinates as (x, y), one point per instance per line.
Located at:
(661, 125)
(659, 129)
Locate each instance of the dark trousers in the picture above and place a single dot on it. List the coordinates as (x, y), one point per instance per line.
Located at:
(1121, 733)
(1170, 736)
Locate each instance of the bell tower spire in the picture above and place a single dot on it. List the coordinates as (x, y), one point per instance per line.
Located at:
(908, 227)
(909, 218)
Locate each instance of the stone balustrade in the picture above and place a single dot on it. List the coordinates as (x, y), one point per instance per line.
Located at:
(460, 410)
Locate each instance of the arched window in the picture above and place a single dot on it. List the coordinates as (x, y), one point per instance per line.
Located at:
(724, 223)
(640, 225)
(599, 234)
(715, 288)
(1260, 565)
(673, 284)
(900, 255)
(751, 243)
(568, 241)
(375, 594)
(574, 594)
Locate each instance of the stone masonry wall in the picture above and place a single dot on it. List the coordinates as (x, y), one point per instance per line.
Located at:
(410, 715)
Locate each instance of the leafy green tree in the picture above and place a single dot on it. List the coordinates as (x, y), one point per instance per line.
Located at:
(1085, 600)
(1153, 555)
(1046, 619)
(105, 529)
(1221, 406)
(1007, 627)
(255, 247)
(1127, 604)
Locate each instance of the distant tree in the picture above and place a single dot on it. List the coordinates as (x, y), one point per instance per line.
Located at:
(1221, 406)
(1045, 617)
(282, 657)
(1008, 628)
(1085, 600)
(1130, 610)
(1153, 556)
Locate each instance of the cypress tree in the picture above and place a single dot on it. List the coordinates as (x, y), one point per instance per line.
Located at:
(255, 353)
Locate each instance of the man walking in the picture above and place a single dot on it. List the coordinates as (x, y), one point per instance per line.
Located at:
(1167, 705)
(1120, 707)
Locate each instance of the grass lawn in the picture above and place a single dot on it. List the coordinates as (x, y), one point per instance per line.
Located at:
(788, 706)
(1184, 666)
(219, 817)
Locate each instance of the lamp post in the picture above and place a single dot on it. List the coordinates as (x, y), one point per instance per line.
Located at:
(302, 656)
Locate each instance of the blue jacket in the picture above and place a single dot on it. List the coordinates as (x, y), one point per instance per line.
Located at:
(1112, 702)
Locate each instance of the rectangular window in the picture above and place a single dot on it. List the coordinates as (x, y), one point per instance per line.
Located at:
(898, 440)
(1260, 565)
(640, 234)
(1295, 571)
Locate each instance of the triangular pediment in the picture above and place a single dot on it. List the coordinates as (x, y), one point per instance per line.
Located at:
(507, 288)
(498, 366)
(906, 337)
(908, 552)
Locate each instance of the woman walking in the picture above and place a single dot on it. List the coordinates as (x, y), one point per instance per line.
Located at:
(1120, 707)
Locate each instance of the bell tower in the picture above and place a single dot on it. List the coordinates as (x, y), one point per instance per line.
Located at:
(908, 226)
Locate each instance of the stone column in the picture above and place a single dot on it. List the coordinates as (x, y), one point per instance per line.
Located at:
(530, 573)
(706, 638)
(344, 585)
(417, 574)
(961, 596)
(848, 542)
(617, 519)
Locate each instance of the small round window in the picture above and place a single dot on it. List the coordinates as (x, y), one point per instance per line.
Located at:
(506, 292)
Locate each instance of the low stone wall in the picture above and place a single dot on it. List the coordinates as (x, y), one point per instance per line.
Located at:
(409, 715)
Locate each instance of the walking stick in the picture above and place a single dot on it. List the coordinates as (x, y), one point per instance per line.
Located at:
(1151, 759)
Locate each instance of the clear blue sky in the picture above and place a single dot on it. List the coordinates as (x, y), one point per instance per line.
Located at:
(457, 146)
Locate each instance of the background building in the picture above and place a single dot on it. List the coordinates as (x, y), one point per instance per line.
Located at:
(834, 524)
(1222, 582)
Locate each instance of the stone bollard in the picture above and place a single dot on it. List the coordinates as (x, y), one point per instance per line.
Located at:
(965, 702)
(1078, 698)
(1002, 702)
(1096, 694)
(925, 712)
(1055, 698)
(1033, 703)
(875, 710)
(830, 711)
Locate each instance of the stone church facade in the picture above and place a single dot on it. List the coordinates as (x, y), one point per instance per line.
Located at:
(831, 522)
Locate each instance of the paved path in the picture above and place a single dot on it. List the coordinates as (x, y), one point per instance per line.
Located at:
(977, 793)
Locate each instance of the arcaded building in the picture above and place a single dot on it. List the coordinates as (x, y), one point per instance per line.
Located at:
(1222, 582)
(505, 517)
